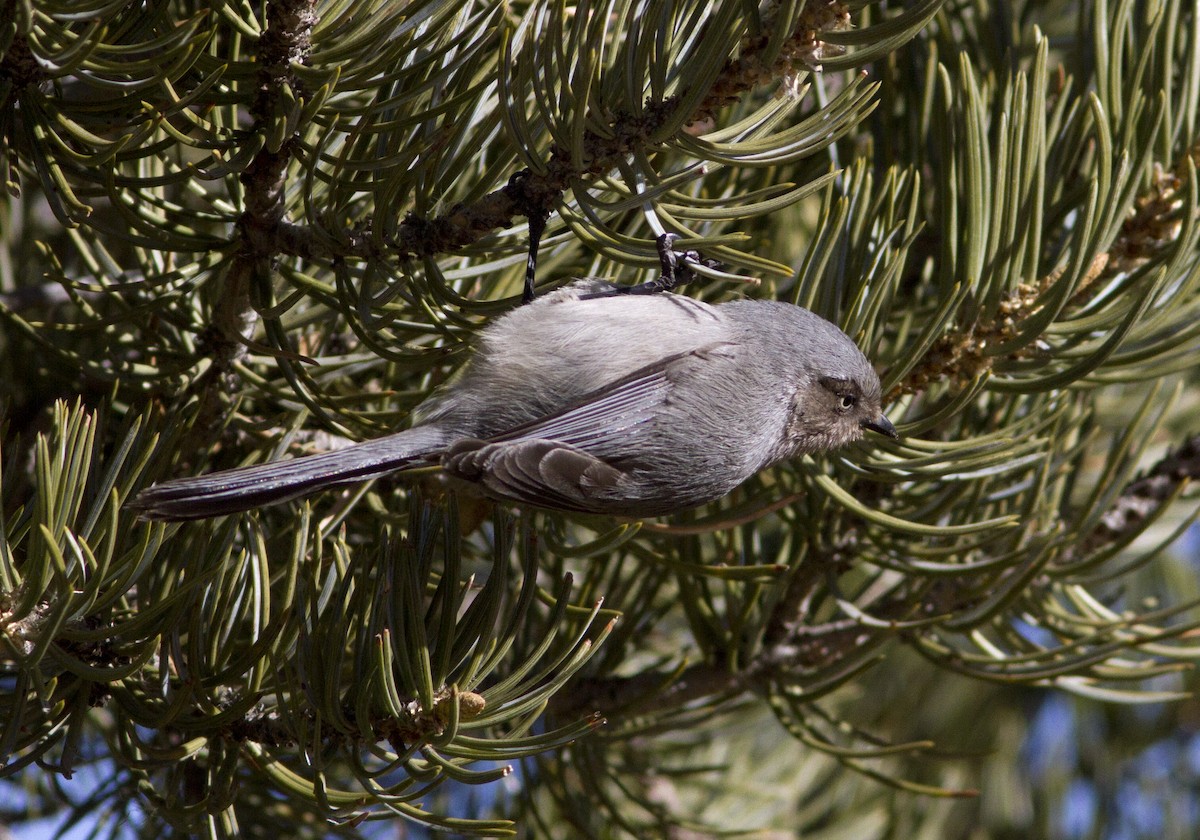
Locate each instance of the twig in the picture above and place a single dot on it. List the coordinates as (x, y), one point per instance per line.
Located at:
(1142, 498)
(259, 230)
(537, 194)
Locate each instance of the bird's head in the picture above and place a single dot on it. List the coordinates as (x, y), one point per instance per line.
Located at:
(835, 408)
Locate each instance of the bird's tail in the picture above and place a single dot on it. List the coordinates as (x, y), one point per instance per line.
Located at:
(245, 488)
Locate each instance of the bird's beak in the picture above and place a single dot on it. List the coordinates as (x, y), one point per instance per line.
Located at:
(882, 425)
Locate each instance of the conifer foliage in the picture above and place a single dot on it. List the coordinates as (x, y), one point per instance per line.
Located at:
(239, 231)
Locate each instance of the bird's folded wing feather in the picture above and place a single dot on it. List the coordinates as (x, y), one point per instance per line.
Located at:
(545, 473)
(572, 457)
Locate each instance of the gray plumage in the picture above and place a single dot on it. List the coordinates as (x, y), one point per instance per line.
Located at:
(587, 400)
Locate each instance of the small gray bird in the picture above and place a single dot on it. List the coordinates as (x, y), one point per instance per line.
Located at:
(593, 401)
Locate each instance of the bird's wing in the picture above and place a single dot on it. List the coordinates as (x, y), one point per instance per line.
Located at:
(545, 473)
(571, 460)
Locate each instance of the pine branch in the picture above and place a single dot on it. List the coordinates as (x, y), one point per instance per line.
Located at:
(286, 41)
(626, 134)
(794, 645)
(18, 66)
(1141, 501)
(966, 353)
(971, 350)
(996, 236)
(20, 69)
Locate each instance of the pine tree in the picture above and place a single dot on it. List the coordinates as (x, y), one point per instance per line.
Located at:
(238, 232)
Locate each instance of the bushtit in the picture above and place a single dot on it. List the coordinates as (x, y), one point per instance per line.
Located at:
(593, 401)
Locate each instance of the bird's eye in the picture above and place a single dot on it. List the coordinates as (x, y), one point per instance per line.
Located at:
(847, 402)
